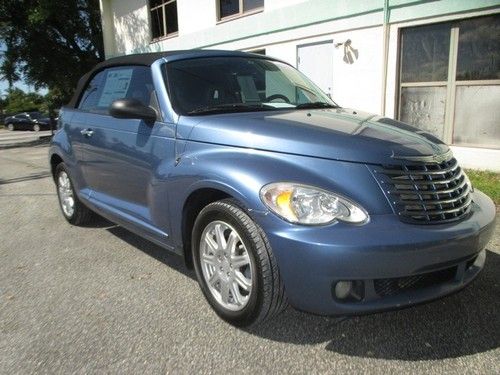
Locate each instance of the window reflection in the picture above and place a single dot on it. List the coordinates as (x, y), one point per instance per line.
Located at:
(473, 117)
(425, 52)
(424, 107)
(477, 116)
(479, 49)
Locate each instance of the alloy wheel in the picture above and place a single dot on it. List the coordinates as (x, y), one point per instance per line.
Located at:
(66, 198)
(226, 265)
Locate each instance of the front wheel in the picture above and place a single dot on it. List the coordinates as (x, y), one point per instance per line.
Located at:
(36, 128)
(10, 127)
(73, 210)
(235, 265)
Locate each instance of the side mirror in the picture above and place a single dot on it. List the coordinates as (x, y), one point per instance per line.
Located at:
(132, 109)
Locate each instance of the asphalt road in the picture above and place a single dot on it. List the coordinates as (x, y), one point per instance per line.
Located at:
(102, 300)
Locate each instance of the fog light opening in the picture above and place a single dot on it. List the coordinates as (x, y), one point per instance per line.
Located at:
(348, 291)
(343, 289)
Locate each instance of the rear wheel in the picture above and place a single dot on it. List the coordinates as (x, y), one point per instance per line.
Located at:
(235, 265)
(10, 127)
(73, 210)
(36, 128)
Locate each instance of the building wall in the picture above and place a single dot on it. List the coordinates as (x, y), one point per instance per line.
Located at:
(284, 25)
(131, 24)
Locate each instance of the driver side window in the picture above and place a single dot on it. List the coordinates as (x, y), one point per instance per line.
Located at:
(128, 82)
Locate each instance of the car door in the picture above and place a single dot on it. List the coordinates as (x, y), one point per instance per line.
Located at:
(121, 156)
(22, 121)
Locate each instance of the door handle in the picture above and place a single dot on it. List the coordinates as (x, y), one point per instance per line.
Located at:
(87, 132)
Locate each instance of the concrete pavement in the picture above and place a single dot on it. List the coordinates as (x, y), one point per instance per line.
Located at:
(16, 137)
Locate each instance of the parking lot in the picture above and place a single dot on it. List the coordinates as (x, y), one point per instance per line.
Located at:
(100, 299)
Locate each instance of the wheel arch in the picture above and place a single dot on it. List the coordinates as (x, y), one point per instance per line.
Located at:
(198, 197)
(194, 203)
(55, 160)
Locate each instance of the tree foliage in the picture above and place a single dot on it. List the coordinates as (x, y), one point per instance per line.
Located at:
(19, 101)
(50, 43)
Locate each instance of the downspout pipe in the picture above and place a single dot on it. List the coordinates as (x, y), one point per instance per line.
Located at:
(385, 59)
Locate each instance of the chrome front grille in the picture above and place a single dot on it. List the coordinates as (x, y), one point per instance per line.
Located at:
(427, 193)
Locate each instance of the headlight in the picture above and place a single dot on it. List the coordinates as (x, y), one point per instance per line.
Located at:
(309, 205)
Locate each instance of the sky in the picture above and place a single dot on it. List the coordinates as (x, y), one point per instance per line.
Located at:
(20, 84)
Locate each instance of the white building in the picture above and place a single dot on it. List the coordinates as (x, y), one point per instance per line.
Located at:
(434, 64)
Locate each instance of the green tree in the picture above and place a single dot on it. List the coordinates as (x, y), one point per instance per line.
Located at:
(50, 43)
(3, 103)
(19, 101)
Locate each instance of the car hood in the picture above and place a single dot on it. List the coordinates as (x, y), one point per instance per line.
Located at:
(338, 134)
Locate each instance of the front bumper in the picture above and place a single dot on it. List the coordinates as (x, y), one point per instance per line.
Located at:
(381, 256)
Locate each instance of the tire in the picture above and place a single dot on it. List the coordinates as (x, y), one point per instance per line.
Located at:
(79, 214)
(260, 295)
(10, 127)
(36, 128)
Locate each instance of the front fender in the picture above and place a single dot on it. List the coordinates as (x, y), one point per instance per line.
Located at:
(241, 173)
(71, 155)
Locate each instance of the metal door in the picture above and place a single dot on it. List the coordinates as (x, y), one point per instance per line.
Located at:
(316, 62)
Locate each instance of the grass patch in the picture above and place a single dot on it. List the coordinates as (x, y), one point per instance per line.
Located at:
(487, 182)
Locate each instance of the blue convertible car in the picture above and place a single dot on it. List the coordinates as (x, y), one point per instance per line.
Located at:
(270, 190)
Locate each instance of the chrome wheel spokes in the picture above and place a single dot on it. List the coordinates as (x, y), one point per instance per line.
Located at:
(66, 198)
(226, 265)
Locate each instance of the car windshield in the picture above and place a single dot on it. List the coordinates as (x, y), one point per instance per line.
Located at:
(239, 84)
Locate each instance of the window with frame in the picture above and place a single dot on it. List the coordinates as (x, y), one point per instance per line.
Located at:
(163, 16)
(236, 8)
(450, 80)
(127, 82)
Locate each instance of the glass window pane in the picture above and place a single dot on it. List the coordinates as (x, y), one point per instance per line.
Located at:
(252, 4)
(210, 82)
(171, 16)
(424, 54)
(115, 86)
(92, 92)
(479, 49)
(155, 3)
(424, 107)
(477, 116)
(141, 85)
(228, 7)
(157, 23)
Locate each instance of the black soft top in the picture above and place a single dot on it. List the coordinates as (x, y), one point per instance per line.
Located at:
(146, 59)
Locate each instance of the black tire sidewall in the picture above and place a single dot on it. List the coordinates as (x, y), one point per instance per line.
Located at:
(251, 310)
(10, 127)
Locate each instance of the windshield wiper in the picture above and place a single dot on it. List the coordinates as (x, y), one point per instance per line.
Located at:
(231, 107)
(314, 105)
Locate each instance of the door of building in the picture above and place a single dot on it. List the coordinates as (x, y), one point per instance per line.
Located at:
(316, 62)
